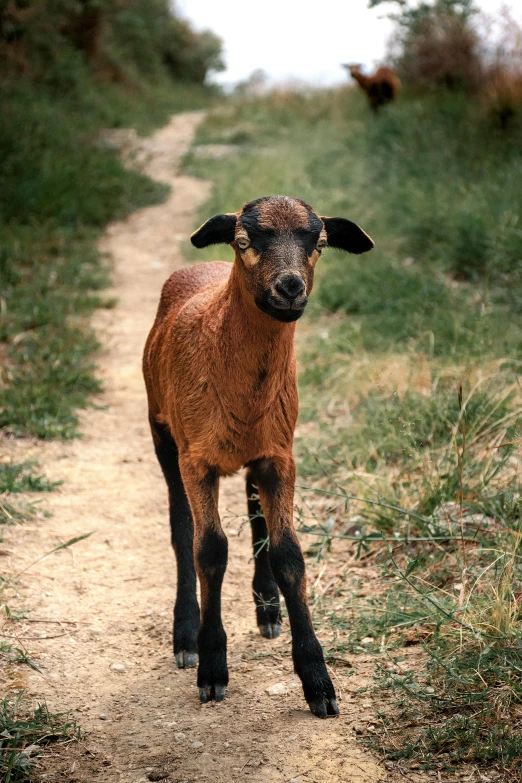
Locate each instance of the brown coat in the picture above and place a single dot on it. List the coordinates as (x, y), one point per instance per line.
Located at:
(207, 366)
(381, 87)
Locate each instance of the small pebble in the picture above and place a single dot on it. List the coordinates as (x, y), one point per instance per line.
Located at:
(278, 689)
(118, 667)
(179, 736)
(197, 744)
(102, 716)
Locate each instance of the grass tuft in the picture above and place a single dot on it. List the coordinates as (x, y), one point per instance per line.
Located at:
(25, 732)
(17, 477)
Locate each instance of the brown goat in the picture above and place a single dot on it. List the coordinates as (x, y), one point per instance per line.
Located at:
(220, 373)
(381, 87)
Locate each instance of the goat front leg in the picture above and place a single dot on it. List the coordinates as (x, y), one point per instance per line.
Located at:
(186, 609)
(275, 480)
(210, 555)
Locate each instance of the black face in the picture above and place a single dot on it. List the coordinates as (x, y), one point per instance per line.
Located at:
(278, 242)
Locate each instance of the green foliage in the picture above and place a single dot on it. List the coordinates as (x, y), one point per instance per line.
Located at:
(46, 168)
(25, 732)
(57, 191)
(412, 16)
(59, 187)
(48, 275)
(16, 477)
(189, 56)
(437, 44)
(17, 512)
(19, 477)
(128, 41)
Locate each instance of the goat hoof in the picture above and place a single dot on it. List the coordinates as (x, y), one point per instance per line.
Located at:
(270, 630)
(324, 707)
(212, 693)
(186, 660)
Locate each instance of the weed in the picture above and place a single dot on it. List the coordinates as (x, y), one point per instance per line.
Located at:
(25, 732)
(19, 477)
(17, 512)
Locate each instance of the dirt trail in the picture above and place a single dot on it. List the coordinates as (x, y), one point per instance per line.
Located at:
(110, 661)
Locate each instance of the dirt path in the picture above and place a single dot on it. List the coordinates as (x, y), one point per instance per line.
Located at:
(110, 661)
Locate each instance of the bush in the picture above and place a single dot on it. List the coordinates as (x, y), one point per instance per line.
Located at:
(503, 88)
(438, 45)
(443, 51)
(128, 41)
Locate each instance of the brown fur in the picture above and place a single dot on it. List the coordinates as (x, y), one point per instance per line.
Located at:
(220, 373)
(203, 367)
(381, 87)
(283, 214)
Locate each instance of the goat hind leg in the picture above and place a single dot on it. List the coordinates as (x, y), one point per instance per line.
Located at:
(186, 608)
(266, 594)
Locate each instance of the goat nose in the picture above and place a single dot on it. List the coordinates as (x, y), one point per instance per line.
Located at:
(290, 286)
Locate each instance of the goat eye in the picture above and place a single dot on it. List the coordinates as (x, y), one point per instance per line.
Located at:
(243, 243)
(321, 245)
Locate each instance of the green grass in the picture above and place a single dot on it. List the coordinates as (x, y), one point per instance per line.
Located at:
(59, 187)
(24, 734)
(411, 408)
(17, 477)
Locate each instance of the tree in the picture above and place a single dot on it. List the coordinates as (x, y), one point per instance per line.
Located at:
(438, 45)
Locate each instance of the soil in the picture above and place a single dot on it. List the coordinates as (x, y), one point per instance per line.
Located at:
(104, 605)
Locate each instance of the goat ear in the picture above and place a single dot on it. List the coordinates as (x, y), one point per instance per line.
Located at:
(218, 230)
(345, 235)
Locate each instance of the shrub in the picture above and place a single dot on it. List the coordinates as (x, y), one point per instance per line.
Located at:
(122, 40)
(438, 44)
(503, 87)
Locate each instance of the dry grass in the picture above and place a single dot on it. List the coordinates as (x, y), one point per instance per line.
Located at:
(502, 93)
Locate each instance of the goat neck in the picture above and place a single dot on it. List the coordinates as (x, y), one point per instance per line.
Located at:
(254, 337)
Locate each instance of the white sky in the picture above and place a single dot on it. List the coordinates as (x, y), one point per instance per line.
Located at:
(299, 39)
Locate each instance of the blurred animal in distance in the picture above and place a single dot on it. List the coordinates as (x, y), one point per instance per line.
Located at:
(381, 87)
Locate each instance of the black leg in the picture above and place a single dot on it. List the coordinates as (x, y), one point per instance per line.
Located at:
(266, 594)
(186, 608)
(211, 552)
(276, 490)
